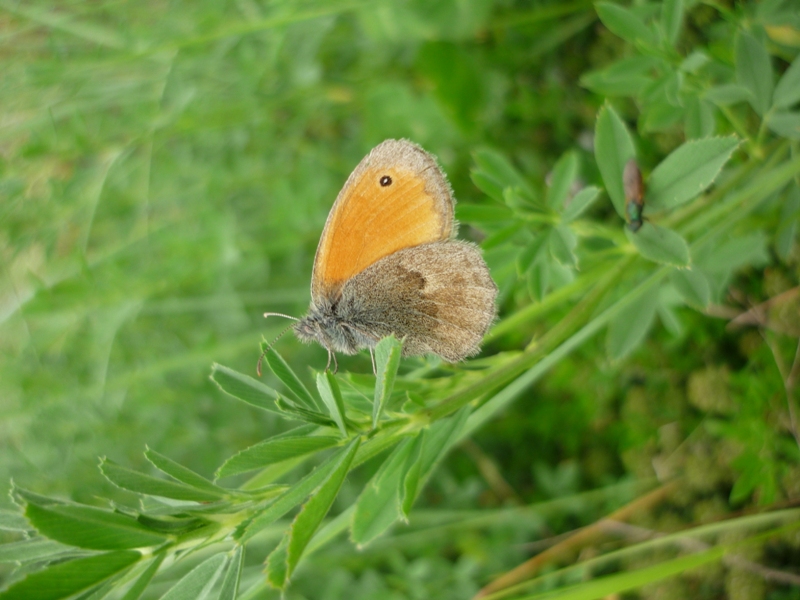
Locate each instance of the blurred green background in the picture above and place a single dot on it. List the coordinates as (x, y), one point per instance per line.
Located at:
(165, 172)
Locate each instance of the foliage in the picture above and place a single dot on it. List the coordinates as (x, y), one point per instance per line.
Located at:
(165, 172)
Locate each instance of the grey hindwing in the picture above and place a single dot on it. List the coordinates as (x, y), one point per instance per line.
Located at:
(440, 297)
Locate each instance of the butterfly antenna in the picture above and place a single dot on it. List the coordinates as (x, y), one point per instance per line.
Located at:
(272, 314)
(273, 342)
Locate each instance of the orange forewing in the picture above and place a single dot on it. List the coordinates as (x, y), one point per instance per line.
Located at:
(369, 221)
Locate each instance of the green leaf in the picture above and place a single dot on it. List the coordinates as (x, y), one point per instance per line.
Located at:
(310, 516)
(688, 171)
(539, 277)
(64, 579)
(487, 184)
(387, 359)
(244, 388)
(700, 122)
(672, 19)
(378, 506)
(564, 173)
(695, 61)
(785, 124)
(728, 94)
(660, 245)
(613, 148)
(90, 527)
(143, 580)
(197, 583)
(456, 80)
(131, 480)
(790, 219)
(502, 236)
(612, 586)
(625, 24)
(483, 213)
(529, 253)
(660, 115)
(411, 482)
(277, 567)
(183, 474)
(754, 70)
(28, 550)
(291, 498)
(331, 395)
(580, 202)
(11, 520)
(562, 245)
(281, 369)
(230, 584)
(497, 166)
(693, 287)
(787, 92)
(666, 312)
(439, 438)
(628, 329)
(626, 77)
(751, 475)
(273, 451)
(290, 410)
(171, 525)
(732, 254)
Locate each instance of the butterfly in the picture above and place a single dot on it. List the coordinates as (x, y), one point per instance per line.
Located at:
(388, 263)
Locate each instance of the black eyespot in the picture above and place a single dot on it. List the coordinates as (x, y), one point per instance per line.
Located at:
(386, 180)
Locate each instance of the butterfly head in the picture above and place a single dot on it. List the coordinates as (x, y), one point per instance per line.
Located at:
(323, 325)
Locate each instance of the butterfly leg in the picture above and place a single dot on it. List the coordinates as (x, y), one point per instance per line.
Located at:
(332, 358)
